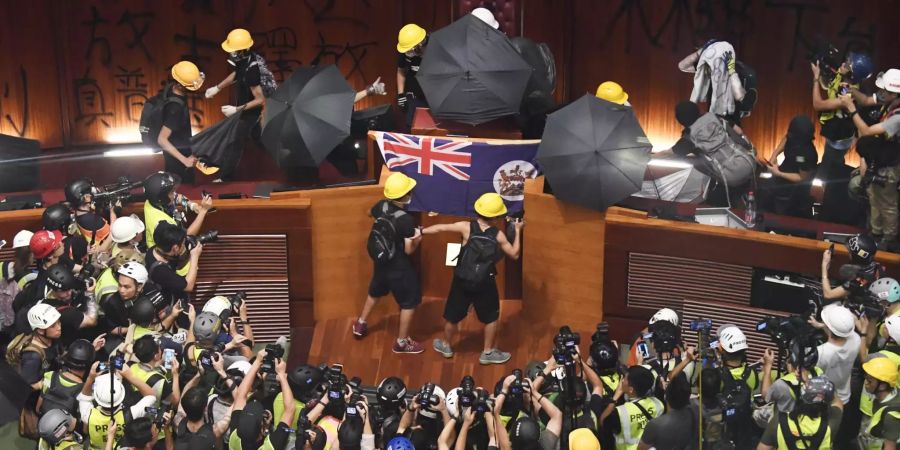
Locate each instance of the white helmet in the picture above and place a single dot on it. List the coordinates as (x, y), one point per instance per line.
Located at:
(134, 270)
(217, 305)
(892, 325)
(889, 81)
(102, 394)
(452, 402)
(430, 411)
(665, 314)
(42, 316)
(486, 16)
(126, 228)
(732, 339)
(839, 320)
(22, 239)
(243, 366)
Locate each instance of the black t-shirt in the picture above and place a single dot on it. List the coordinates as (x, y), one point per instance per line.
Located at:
(597, 404)
(406, 228)
(799, 157)
(684, 146)
(246, 76)
(176, 117)
(70, 318)
(878, 152)
(31, 367)
(171, 285)
(674, 430)
(278, 437)
(115, 313)
(410, 67)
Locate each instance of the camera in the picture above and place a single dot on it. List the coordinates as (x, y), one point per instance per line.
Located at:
(158, 415)
(601, 334)
(237, 299)
(336, 383)
(209, 236)
(467, 391)
(515, 388)
(781, 329)
(206, 358)
(273, 352)
(665, 336)
(107, 196)
(427, 398)
(828, 57)
(564, 346)
(481, 403)
(701, 325)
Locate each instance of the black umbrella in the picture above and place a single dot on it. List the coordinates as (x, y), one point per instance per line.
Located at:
(471, 73)
(307, 116)
(594, 153)
(211, 144)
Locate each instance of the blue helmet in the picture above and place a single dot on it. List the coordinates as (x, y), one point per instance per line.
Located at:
(861, 66)
(400, 443)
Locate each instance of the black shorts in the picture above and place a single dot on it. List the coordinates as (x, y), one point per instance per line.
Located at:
(403, 283)
(484, 297)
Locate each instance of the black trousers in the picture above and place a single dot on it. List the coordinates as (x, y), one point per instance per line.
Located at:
(233, 155)
(175, 166)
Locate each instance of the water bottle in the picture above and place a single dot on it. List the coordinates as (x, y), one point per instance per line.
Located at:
(750, 211)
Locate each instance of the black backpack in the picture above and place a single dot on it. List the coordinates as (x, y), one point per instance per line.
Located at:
(61, 397)
(737, 412)
(152, 115)
(475, 262)
(747, 75)
(381, 244)
(204, 438)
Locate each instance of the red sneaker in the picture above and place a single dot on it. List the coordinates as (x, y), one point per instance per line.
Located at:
(360, 329)
(408, 346)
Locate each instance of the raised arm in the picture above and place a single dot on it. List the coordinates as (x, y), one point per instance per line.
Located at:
(511, 250)
(456, 227)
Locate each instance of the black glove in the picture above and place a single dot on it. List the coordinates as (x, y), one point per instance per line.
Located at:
(401, 101)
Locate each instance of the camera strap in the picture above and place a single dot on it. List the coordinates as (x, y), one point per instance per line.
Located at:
(809, 442)
(644, 411)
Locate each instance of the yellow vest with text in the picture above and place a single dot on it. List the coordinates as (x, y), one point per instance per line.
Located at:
(808, 427)
(107, 284)
(633, 421)
(98, 423)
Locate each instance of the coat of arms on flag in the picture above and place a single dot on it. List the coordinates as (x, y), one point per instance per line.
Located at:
(451, 173)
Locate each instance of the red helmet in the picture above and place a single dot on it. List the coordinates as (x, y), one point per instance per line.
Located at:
(44, 242)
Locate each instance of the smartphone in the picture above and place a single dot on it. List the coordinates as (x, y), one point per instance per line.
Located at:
(185, 305)
(643, 350)
(151, 411)
(118, 361)
(101, 367)
(168, 356)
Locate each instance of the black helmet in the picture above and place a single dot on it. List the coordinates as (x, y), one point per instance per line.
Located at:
(817, 391)
(304, 380)
(525, 433)
(57, 217)
(158, 186)
(391, 391)
(157, 299)
(222, 387)
(60, 278)
(802, 354)
(604, 355)
(862, 249)
(142, 312)
(76, 190)
(79, 355)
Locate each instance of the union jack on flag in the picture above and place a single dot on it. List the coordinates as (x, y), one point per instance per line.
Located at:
(403, 149)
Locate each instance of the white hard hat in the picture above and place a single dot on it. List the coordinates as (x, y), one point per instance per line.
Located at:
(665, 314)
(102, 394)
(22, 239)
(839, 320)
(243, 366)
(429, 411)
(134, 270)
(42, 316)
(892, 324)
(486, 16)
(126, 228)
(889, 81)
(732, 339)
(452, 402)
(217, 305)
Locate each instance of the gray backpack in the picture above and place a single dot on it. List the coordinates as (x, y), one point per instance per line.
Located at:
(731, 156)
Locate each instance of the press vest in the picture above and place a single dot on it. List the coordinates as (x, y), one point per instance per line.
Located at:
(140, 332)
(633, 421)
(149, 376)
(152, 217)
(65, 444)
(278, 409)
(873, 430)
(867, 400)
(234, 443)
(107, 284)
(794, 383)
(98, 424)
(330, 426)
(808, 428)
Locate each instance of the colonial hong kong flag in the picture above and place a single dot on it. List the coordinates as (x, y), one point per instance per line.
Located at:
(451, 173)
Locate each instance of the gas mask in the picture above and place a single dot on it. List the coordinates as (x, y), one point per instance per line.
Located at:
(235, 57)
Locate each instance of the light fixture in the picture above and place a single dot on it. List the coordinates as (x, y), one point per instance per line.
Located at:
(669, 163)
(129, 152)
(765, 175)
(129, 135)
(817, 182)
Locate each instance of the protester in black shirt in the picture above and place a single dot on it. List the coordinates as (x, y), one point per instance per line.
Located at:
(411, 42)
(396, 275)
(164, 258)
(175, 134)
(66, 297)
(677, 428)
(788, 192)
(249, 97)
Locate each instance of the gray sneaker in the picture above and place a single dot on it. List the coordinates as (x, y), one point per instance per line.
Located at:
(443, 348)
(494, 356)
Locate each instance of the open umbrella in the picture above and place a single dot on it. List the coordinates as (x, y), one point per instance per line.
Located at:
(307, 116)
(685, 185)
(471, 73)
(211, 144)
(594, 153)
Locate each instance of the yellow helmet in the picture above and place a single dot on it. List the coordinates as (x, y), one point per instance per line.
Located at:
(583, 439)
(188, 75)
(490, 205)
(410, 36)
(612, 92)
(398, 185)
(882, 369)
(238, 39)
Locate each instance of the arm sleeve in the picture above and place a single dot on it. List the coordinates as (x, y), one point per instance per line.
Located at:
(30, 368)
(683, 147)
(252, 77)
(892, 125)
(173, 116)
(835, 415)
(406, 227)
(279, 437)
(138, 410)
(770, 436)
(84, 406)
(367, 442)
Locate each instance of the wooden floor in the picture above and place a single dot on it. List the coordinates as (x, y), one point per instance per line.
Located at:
(371, 358)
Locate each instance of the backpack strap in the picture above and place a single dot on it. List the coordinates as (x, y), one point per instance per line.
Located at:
(643, 410)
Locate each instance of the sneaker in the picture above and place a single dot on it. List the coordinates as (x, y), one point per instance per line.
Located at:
(408, 346)
(360, 328)
(443, 348)
(494, 356)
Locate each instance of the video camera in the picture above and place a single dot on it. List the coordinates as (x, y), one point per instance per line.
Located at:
(210, 236)
(703, 328)
(564, 346)
(828, 57)
(337, 382)
(664, 335)
(467, 391)
(107, 196)
(782, 329)
(601, 334)
(862, 302)
(273, 352)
